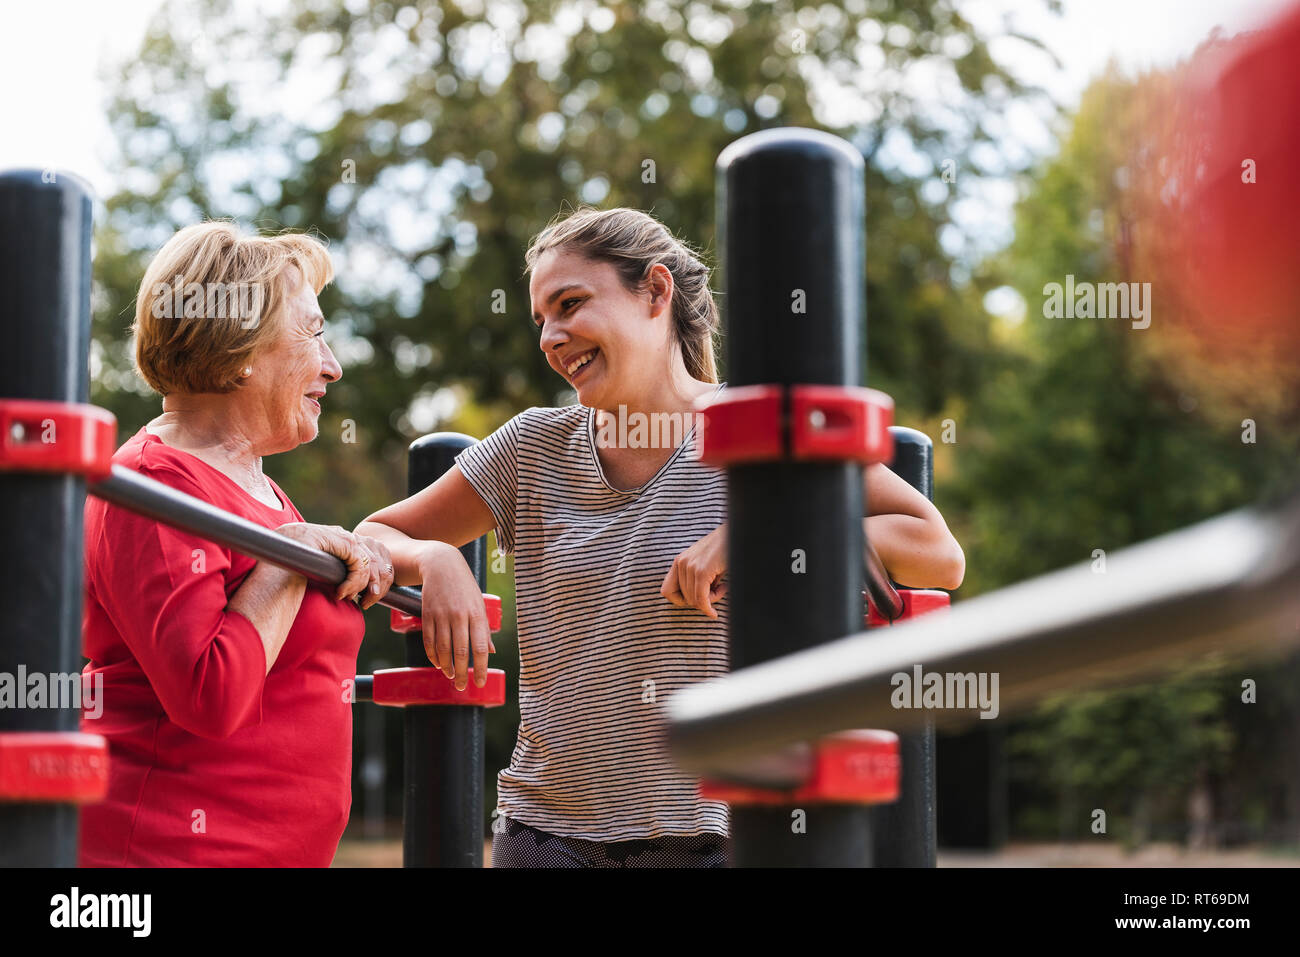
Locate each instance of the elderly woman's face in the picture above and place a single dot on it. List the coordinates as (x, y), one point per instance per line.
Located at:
(290, 377)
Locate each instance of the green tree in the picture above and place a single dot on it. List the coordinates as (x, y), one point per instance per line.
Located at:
(1092, 438)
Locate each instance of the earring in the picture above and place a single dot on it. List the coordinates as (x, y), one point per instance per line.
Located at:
(248, 370)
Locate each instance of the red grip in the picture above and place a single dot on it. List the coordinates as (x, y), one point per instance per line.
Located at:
(743, 424)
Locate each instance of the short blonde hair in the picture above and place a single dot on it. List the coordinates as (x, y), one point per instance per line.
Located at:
(186, 337)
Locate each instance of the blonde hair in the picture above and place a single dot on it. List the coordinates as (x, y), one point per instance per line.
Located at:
(186, 340)
(632, 242)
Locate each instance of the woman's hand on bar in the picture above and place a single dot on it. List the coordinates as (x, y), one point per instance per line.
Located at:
(453, 617)
(370, 567)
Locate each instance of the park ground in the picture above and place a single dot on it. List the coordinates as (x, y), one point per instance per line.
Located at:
(388, 853)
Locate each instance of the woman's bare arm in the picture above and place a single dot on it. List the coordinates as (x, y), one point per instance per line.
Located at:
(909, 533)
(904, 527)
(448, 511)
(422, 534)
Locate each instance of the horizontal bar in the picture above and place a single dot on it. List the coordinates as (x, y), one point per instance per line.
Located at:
(153, 499)
(1231, 583)
(880, 589)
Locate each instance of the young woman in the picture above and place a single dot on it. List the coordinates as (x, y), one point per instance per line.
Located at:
(620, 551)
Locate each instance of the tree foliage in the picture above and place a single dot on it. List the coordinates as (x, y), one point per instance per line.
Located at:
(1095, 438)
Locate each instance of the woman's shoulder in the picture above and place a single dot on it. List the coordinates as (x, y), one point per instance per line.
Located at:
(148, 454)
(549, 422)
(559, 413)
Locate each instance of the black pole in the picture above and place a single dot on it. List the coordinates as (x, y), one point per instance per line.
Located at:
(905, 831)
(442, 803)
(791, 209)
(45, 221)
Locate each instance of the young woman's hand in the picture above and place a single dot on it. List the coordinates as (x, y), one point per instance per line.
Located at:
(696, 578)
(453, 617)
(370, 566)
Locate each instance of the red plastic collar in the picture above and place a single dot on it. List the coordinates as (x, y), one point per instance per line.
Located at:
(69, 437)
(824, 423)
(398, 687)
(852, 767)
(66, 767)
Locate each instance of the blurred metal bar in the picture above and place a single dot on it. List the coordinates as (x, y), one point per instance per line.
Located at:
(1228, 584)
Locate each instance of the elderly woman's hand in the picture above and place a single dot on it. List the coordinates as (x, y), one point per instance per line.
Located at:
(370, 567)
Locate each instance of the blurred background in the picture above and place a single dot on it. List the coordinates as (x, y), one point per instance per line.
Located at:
(1008, 145)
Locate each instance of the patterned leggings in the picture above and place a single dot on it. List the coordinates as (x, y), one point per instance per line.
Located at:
(518, 845)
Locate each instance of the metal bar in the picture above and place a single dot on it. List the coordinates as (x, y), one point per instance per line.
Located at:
(45, 226)
(153, 499)
(1227, 584)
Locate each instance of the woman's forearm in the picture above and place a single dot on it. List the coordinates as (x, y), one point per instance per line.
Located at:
(407, 552)
(918, 552)
(270, 598)
(448, 511)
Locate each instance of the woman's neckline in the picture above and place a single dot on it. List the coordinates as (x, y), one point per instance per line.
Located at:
(283, 506)
(600, 469)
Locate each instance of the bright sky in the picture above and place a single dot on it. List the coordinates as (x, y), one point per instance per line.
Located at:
(51, 54)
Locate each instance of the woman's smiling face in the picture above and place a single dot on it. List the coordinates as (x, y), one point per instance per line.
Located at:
(290, 376)
(611, 344)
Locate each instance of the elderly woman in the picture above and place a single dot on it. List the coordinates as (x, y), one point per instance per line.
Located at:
(224, 678)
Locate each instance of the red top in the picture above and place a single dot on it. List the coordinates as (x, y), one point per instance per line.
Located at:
(212, 761)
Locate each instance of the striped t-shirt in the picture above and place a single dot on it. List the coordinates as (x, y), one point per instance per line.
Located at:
(600, 650)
